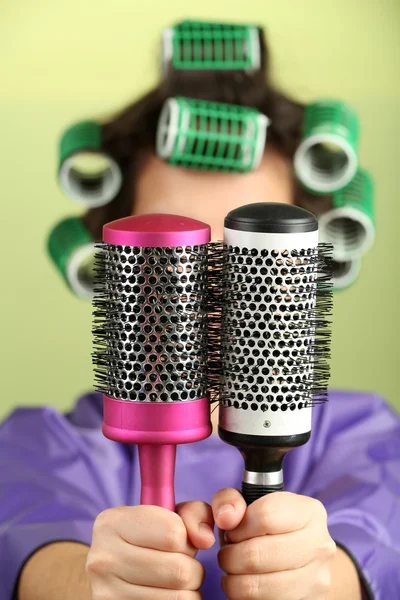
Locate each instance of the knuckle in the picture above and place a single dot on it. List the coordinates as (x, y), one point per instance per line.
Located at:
(106, 520)
(327, 550)
(272, 503)
(182, 575)
(222, 559)
(267, 512)
(102, 521)
(196, 505)
(177, 595)
(323, 581)
(175, 537)
(242, 587)
(252, 557)
(192, 508)
(99, 563)
(250, 588)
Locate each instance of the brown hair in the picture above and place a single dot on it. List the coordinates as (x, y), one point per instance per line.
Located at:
(131, 134)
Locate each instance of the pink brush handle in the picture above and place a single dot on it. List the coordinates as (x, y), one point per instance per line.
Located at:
(156, 428)
(157, 471)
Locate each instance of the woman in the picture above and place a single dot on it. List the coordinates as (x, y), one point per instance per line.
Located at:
(71, 524)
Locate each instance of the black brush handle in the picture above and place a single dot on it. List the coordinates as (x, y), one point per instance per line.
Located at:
(252, 491)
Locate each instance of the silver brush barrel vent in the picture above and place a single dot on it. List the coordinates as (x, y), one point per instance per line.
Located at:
(150, 323)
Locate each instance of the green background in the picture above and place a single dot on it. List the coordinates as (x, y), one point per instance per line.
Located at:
(65, 61)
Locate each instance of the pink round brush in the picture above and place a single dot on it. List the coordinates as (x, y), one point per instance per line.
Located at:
(150, 333)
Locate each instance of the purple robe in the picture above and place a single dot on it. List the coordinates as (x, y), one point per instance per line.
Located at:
(58, 472)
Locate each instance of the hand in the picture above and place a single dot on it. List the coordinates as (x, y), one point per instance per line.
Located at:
(279, 547)
(148, 553)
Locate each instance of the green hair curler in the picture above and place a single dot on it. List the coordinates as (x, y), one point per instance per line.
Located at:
(198, 45)
(350, 225)
(345, 273)
(85, 173)
(326, 160)
(210, 135)
(72, 250)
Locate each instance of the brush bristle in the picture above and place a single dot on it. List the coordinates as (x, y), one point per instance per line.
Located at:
(323, 320)
(101, 309)
(214, 317)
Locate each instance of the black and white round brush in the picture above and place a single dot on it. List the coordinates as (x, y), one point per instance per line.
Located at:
(275, 336)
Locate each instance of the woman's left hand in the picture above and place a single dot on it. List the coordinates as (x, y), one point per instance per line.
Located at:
(278, 548)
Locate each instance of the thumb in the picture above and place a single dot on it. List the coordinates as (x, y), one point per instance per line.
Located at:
(198, 519)
(229, 508)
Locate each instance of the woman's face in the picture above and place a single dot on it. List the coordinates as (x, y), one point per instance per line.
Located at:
(206, 196)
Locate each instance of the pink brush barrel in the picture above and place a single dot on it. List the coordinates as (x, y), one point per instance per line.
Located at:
(156, 426)
(156, 422)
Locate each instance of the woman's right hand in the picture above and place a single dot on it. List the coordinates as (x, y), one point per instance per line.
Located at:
(148, 552)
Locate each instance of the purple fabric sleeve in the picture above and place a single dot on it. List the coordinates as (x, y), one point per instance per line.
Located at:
(54, 481)
(353, 468)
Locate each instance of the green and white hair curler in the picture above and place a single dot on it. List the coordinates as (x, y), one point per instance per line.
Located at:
(210, 135)
(72, 250)
(198, 45)
(350, 225)
(85, 173)
(345, 273)
(326, 159)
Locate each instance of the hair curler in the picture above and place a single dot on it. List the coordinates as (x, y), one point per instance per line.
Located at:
(85, 173)
(150, 336)
(72, 250)
(350, 225)
(275, 335)
(211, 135)
(327, 158)
(345, 273)
(200, 45)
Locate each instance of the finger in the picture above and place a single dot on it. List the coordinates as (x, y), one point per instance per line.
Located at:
(198, 519)
(308, 582)
(272, 553)
(155, 527)
(278, 513)
(228, 508)
(141, 566)
(126, 591)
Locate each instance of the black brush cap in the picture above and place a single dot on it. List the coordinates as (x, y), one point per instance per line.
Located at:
(271, 217)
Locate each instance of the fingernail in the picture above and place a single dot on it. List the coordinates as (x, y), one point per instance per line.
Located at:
(206, 530)
(227, 539)
(225, 508)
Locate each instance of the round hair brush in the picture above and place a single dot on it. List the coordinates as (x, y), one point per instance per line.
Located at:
(150, 336)
(275, 336)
